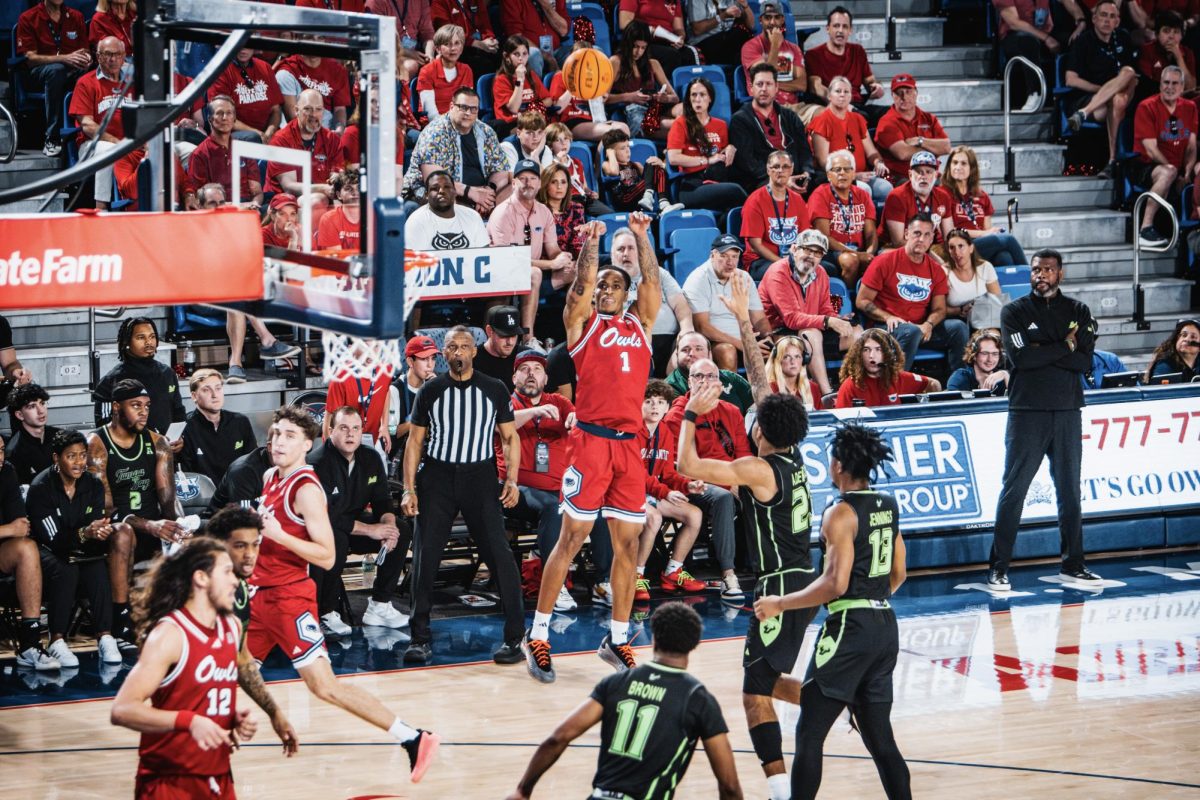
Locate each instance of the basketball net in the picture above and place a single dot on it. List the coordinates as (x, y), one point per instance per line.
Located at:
(348, 356)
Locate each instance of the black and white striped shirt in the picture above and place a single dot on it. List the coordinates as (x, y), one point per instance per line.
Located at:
(461, 417)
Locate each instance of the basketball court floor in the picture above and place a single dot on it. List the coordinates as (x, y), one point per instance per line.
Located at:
(1054, 692)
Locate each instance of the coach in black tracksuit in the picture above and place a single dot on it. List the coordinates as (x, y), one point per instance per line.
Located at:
(1049, 339)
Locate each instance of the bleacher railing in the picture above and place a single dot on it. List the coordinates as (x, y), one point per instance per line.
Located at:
(1010, 158)
(1139, 294)
(12, 141)
(893, 53)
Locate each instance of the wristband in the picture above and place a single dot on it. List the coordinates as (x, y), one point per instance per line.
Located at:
(183, 720)
(690, 416)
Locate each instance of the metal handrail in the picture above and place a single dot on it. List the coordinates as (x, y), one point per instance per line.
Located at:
(12, 123)
(1010, 158)
(1014, 213)
(893, 53)
(1139, 295)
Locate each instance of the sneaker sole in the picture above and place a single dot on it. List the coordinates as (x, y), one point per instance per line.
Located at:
(536, 672)
(1000, 587)
(1082, 581)
(611, 658)
(382, 622)
(426, 749)
(291, 351)
(561, 609)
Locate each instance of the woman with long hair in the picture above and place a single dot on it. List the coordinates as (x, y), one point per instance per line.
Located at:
(167, 586)
(113, 18)
(555, 194)
(700, 149)
(1177, 353)
(438, 80)
(788, 374)
(973, 210)
(839, 126)
(517, 88)
(641, 89)
(969, 275)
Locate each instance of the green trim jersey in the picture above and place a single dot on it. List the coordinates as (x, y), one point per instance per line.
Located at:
(241, 609)
(653, 717)
(878, 524)
(780, 529)
(130, 474)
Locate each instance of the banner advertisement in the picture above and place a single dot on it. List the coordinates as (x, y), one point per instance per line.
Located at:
(1141, 455)
(478, 272)
(91, 259)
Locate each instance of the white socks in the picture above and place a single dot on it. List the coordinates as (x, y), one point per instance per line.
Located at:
(673, 565)
(402, 731)
(541, 627)
(780, 786)
(619, 632)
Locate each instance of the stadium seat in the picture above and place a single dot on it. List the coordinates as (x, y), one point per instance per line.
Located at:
(639, 151)
(1187, 209)
(691, 247)
(484, 87)
(595, 13)
(27, 100)
(722, 107)
(838, 288)
(1014, 280)
(740, 93)
(683, 219)
(733, 221)
(613, 223)
(1062, 93)
(439, 338)
(68, 132)
(583, 151)
(85, 7)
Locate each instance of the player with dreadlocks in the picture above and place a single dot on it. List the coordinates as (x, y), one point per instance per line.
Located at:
(137, 344)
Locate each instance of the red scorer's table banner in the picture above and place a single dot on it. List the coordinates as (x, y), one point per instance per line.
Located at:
(90, 259)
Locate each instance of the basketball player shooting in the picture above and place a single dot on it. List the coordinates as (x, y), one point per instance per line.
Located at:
(611, 351)
(283, 610)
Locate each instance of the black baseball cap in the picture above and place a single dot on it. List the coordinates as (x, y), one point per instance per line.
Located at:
(726, 242)
(526, 165)
(505, 320)
(127, 389)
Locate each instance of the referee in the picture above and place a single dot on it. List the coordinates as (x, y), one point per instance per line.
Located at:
(458, 413)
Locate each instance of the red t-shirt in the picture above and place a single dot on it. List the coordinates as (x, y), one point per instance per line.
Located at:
(658, 454)
(350, 151)
(272, 239)
(777, 223)
(37, 33)
(905, 289)
(469, 15)
(1152, 58)
(969, 212)
(254, 91)
(843, 134)
(894, 128)
(329, 78)
(106, 24)
(655, 12)
(526, 18)
(873, 393)
(789, 62)
(851, 64)
(92, 98)
(368, 398)
(1154, 121)
(502, 92)
(553, 432)
(335, 231)
(575, 110)
(1026, 10)
(125, 174)
(212, 163)
(718, 138)
(902, 205)
(846, 220)
(432, 77)
(326, 149)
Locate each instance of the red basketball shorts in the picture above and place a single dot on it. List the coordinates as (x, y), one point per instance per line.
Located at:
(286, 616)
(605, 476)
(185, 787)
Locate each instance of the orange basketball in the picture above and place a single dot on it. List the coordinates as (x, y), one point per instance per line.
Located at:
(588, 74)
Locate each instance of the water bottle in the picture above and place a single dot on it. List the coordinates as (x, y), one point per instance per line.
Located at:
(189, 360)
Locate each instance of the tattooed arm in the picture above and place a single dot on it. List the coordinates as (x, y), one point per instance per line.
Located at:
(250, 679)
(739, 305)
(164, 476)
(650, 292)
(98, 466)
(579, 299)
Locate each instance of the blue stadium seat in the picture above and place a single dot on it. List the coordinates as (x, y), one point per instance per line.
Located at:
(692, 247)
(639, 151)
(733, 222)
(722, 107)
(838, 288)
(484, 87)
(583, 151)
(27, 100)
(85, 7)
(595, 13)
(1187, 210)
(1062, 93)
(613, 223)
(1014, 280)
(69, 131)
(740, 93)
(685, 218)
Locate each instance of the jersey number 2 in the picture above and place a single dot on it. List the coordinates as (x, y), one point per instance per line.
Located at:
(629, 739)
(881, 552)
(218, 702)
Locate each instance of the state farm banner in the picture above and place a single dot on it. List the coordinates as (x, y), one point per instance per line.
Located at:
(1141, 454)
(478, 272)
(90, 259)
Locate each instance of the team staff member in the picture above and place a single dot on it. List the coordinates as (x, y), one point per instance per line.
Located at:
(243, 482)
(854, 659)
(457, 414)
(137, 344)
(29, 448)
(213, 437)
(1049, 339)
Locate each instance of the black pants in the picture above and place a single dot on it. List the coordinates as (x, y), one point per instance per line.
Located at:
(1030, 436)
(63, 582)
(670, 57)
(716, 48)
(444, 490)
(329, 582)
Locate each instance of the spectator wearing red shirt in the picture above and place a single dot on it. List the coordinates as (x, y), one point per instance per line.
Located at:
(921, 195)
(544, 23)
(212, 160)
(414, 26)
(516, 88)
(844, 212)
(326, 76)
(840, 56)
(438, 80)
(1026, 29)
(906, 129)
(839, 127)
(339, 228)
(1164, 137)
(698, 146)
(125, 174)
(664, 18)
(251, 83)
(873, 373)
(1143, 15)
(772, 217)
(94, 94)
(973, 210)
(481, 52)
(112, 18)
(772, 47)
(795, 297)
(283, 222)
(1165, 50)
(54, 41)
(305, 132)
(905, 291)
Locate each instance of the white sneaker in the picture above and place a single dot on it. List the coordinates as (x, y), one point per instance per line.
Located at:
(51, 149)
(59, 650)
(383, 614)
(37, 658)
(665, 206)
(732, 589)
(109, 650)
(565, 602)
(602, 594)
(332, 622)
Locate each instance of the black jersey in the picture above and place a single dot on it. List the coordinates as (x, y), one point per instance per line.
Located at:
(653, 716)
(130, 475)
(779, 529)
(241, 609)
(878, 524)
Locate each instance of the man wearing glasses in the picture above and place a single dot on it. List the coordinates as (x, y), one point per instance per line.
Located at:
(94, 94)
(773, 217)
(468, 150)
(1164, 137)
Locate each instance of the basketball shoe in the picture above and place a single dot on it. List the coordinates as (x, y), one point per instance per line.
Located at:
(537, 658)
(421, 751)
(618, 656)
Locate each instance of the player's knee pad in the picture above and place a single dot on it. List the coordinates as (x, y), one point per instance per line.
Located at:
(767, 739)
(759, 678)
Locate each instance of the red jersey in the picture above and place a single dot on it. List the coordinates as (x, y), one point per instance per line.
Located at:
(893, 128)
(777, 223)
(970, 212)
(502, 92)
(612, 360)
(470, 15)
(852, 64)
(553, 433)
(846, 219)
(1172, 130)
(106, 23)
(336, 231)
(905, 289)
(432, 78)
(278, 566)
(93, 95)
(203, 681)
(37, 33)
(368, 398)
(253, 89)
(903, 204)
(874, 393)
(326, 150)
(843, 134)
(718, 137)
(329, 78)
(658, 453)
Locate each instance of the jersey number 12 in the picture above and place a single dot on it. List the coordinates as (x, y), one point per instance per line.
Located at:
(218, 702)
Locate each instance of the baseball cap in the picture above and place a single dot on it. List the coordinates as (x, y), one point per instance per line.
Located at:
(902, 80)
(283, 199)
(923, 158)
(814, 238)
(528, 355)
(726, 242)
(127, 389)
(526, 165)
(769, 9)
(505, 320)
(420, 347)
